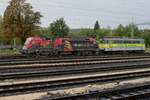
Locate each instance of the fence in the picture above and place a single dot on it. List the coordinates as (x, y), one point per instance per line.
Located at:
(9, 47)
(9, 50)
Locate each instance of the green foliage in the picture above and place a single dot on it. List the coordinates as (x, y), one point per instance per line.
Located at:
(96, 26)
(94, 33)
(45, 30)
(0, 26)
(59, 28)
(1, 31)
(120, 31)
(126, 31)
(1, 20)
(145, 34)
(85, 33)
(105, 32)
(20, 20)
(132, 28)
(72, 34)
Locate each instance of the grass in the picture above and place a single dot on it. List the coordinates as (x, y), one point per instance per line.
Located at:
(147, 49)
(9, 52)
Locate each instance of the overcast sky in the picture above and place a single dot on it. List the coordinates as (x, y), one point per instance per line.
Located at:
(84, 13)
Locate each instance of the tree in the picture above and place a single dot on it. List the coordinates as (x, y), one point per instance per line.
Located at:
(120, 31)
(96, 26)
(45, 30)
(1, 29)
(59, 28)
(132, 29)
(20, 20)
(85, 33)
(127, 30)
(1, 21)
(146, 36)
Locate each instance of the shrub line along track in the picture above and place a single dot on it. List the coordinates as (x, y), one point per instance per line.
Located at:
(14, 89)
(127, 93)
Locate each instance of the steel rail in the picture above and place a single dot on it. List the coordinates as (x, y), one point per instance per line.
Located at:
(47, 73)
(46, 60)
(14, 89)
(23, 58)
(74, 63)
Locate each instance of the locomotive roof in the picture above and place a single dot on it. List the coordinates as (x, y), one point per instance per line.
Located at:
(79, 39)
(122, 39)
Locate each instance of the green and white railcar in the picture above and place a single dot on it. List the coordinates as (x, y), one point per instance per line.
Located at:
(122, 44)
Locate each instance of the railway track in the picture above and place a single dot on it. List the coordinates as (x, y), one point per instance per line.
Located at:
(33, 61)
(30, 74)
(139, 92)
(33, 71)
(23, 58)
(57, 65)
(31, 87)
(76, 66)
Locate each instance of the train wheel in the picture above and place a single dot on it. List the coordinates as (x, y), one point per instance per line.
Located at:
(97, 53)
(56, 53)
(50, 54)
(90, 53)
(84, 53)
(78, 53)
(37, 54)
(60, 54)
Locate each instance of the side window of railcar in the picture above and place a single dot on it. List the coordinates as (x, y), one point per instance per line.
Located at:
(129, 41)
(126, 41)
(133, 41)
(106, 41)
(136, 42)
(114, 41)
(142, 41)
(120, 41)
(110, 41)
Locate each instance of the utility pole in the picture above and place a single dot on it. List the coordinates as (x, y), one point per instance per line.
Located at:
(111, 33)
(132, 29)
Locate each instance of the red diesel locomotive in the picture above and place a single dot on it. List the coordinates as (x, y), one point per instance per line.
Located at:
(44, 46)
